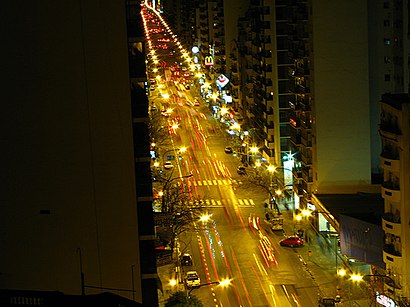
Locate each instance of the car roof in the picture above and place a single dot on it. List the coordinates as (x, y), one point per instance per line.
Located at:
(192, 272)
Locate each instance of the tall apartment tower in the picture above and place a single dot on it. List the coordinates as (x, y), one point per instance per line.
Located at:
(263, 39)
(74, 216)
(389, 49)
(330, 121)
(180, 15)
(395, 161)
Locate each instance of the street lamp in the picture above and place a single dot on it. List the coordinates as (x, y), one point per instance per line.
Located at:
(254, 150)
(223, 283)
(357, 278)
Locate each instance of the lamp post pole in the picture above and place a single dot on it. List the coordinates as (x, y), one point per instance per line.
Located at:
(201, 285)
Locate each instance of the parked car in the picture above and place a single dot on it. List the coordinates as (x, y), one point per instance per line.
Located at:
(228, 149)
(168, 165)
(241, 170)
(292, 241)
(192, 279)
(186, 260)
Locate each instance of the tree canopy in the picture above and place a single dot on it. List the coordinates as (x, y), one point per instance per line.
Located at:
(180, 299)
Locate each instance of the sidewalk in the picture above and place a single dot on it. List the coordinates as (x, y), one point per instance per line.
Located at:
(166, 273)
(321, 265)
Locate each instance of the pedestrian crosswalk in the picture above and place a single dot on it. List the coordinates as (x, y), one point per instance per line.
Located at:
(220, 203)
(214, 182)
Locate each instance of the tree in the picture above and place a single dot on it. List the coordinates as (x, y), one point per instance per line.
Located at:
(263, 180)
(159, 129)
(181, 212)
(180, 299)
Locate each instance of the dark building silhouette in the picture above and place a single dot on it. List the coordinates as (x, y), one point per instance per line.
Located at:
(76, 197)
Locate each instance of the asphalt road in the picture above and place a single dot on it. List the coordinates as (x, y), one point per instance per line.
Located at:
(262, 273)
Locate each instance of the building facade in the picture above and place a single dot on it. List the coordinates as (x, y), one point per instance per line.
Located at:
(75, 217)
(395, 160)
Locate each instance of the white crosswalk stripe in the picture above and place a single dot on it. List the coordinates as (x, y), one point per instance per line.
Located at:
(214, 182)
(220, 203)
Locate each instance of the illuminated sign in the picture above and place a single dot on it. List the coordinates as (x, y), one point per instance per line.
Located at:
(209, 61)
(222, 80)
(384, 300)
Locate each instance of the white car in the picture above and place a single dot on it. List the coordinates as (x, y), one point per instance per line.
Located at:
(168, 165)
(192, 279)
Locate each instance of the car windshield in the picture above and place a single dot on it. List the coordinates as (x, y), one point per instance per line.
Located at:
(192, 277)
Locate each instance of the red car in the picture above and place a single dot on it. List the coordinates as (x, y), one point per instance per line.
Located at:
(292, 241)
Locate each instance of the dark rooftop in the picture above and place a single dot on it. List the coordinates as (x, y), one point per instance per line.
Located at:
(368, 207)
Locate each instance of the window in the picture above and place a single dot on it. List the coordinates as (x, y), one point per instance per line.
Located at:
(387, 42)
(387, 60)
(386, 4)
(387, 77)
(386, 23)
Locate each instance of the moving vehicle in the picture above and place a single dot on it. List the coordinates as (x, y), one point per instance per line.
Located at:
(292, 241)
(241, 170)
(192, 279)
(186, 260)
(168, 165)
(228, 149)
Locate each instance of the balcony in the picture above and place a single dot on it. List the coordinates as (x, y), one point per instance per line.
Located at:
(306, 159)
(391, 191)
(306, 177)
(268, 115)
(269, 144)
(297, 188)
(389, 164)
(295, 138)
(234, 70)
(391, 256)
(390, 130)
(305, 142)
(391, 223)
(294, 122)
(250, 99)
(269, 129)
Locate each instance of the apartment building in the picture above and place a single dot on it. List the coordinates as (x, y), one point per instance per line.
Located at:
(263, 42)
(395, 161)
(181, 17)
(75, 216)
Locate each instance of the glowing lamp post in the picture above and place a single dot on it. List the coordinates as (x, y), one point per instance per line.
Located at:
(222, 283)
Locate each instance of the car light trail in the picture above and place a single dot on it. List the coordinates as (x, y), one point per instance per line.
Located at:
(235, 261)
(260, 283)
(259, 264)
